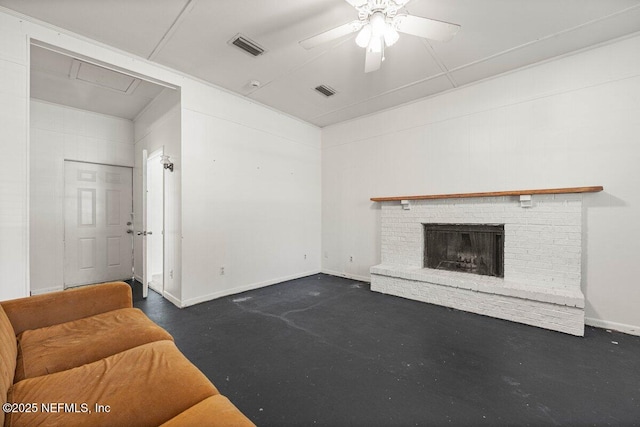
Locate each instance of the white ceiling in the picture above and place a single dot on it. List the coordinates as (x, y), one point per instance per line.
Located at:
(64, 80)
(192, 36)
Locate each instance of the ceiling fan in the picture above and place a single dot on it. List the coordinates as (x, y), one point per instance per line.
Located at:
(379, 22)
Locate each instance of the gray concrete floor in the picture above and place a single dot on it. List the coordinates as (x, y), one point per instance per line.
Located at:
(327, 351)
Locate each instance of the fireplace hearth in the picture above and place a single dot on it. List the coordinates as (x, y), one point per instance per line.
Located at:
(468, 248)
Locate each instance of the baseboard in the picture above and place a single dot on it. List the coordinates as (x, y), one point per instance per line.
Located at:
(175, 301)
(347, 275)
(46, 290)
(614, 326)
(244, 288)
(138, 278)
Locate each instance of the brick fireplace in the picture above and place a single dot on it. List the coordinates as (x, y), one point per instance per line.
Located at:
(542, 256)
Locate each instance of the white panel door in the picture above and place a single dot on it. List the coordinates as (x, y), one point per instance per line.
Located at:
(98, 205)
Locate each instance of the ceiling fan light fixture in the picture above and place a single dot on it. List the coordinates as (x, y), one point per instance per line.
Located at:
(376, 44)
(391, 36)
(364, 36)
(378, 24)
(377, 30)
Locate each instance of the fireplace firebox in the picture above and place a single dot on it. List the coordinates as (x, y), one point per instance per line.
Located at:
(469, 248)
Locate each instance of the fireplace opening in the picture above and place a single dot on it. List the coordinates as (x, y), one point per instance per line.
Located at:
(469, 248)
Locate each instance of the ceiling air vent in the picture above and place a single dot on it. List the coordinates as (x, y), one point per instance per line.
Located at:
(326, 90)
(249, 46)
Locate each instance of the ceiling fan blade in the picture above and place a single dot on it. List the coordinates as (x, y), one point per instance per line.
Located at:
(356, 3)
(372, 61)
(335, 33)
(425, 27)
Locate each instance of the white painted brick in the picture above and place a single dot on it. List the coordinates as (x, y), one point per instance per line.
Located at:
(542, 314)
(543, 251)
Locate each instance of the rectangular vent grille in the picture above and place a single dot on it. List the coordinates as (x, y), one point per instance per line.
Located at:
(326, 90)
(249, 46)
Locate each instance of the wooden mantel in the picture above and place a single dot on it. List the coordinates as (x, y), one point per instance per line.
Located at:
(593, 189)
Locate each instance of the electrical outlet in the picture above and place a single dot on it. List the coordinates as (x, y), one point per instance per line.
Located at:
(351, 258)
(305, 256)
(222, 271)
(170, 274)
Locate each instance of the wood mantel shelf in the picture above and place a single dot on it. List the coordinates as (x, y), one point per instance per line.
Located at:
(593, 189)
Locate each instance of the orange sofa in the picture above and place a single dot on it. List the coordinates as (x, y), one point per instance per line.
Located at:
(86, 357)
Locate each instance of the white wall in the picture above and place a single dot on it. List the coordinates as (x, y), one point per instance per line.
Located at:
(249, 193)
(14, 262)
(251, 196)
(568, 122)
(159, 126)
(258, 223)
(59, 133)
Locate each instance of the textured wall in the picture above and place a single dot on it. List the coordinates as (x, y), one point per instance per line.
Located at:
(60, 133)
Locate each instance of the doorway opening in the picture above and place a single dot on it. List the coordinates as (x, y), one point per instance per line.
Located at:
(86, 112)
(153, 207)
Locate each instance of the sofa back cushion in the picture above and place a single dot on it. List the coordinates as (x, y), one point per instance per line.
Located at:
(39, 311)
(8, 356)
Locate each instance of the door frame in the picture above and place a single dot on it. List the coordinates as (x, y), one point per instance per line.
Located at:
(146, 276)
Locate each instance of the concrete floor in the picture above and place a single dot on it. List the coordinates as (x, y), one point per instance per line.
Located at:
(327, 351)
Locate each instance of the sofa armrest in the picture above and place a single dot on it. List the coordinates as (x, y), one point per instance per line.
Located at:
(64, 306)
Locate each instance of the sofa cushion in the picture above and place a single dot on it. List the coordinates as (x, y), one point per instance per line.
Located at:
(8, 354)
(68, 345)
(53, 308)
(143, 386)
(214, 411)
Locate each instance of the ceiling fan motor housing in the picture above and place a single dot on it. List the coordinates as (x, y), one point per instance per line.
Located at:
(387, 8)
